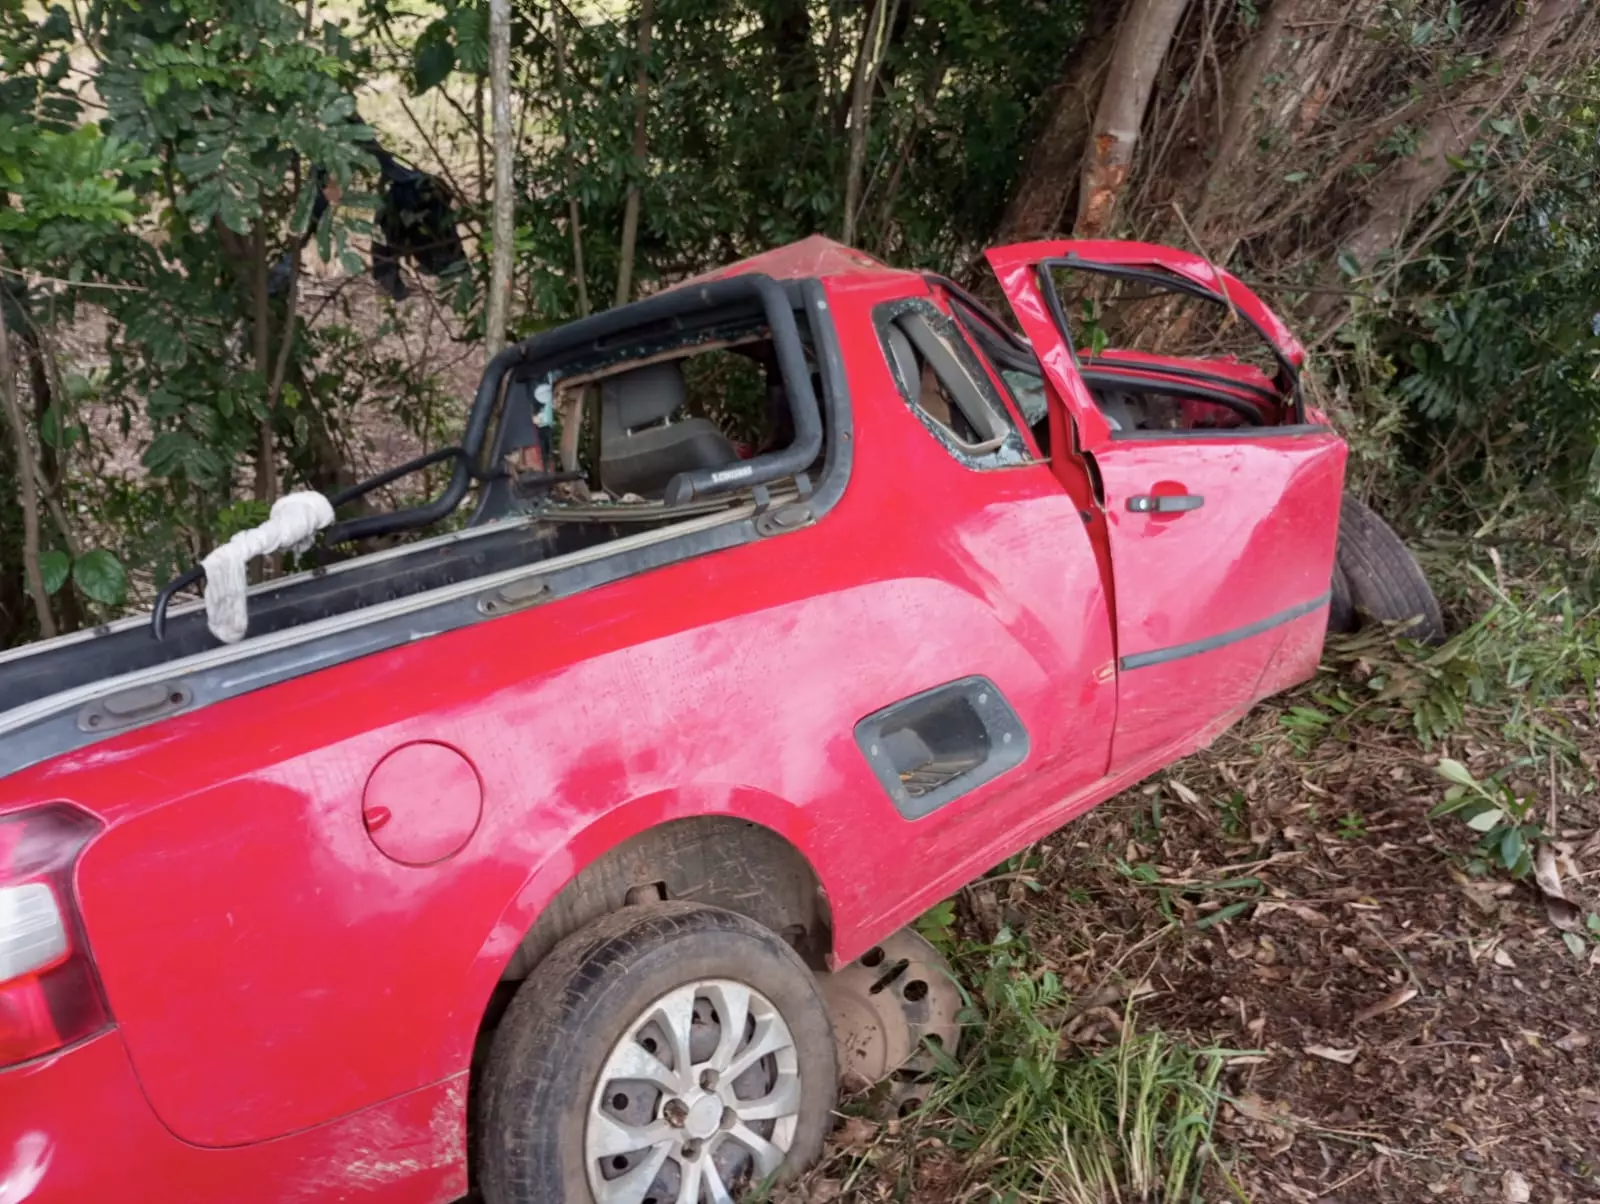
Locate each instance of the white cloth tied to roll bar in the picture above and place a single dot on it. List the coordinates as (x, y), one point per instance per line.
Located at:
(294, 522)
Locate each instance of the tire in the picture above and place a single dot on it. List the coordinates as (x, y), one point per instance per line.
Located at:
(1342, 617)
(1385, 582)
(592, 1009)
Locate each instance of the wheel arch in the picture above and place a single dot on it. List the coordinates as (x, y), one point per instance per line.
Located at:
(737, 848)
(722, 860)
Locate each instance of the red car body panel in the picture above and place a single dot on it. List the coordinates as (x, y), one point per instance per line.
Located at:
(292, 1005)
(75, 1127)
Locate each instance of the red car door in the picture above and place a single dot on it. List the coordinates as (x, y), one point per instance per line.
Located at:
(1220, 491)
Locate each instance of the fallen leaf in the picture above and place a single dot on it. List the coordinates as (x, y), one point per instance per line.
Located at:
(1563, 913)
(1343, 1056)
(1573, 1041)
(1545, 872)
(1315, 918)
(1108, 994)
(1183, 792)
(1515, 1188)
(987, 908)
(1391, 1001)
(855, 1133)
(1256, 1108)
(1502, 958)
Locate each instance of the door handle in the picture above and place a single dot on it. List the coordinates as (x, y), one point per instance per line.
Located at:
(1169, 503)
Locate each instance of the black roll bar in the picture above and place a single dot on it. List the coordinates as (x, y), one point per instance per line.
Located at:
(661, 313)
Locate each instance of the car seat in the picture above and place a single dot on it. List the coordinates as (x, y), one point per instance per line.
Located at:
(641, 447)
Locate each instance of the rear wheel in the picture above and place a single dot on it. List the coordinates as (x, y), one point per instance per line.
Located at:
(668, 1054)
(1383, 580)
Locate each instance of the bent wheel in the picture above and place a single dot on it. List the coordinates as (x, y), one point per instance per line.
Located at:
(889, 1006)
(669, 1054)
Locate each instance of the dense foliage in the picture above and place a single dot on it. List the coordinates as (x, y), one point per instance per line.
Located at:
(161, 168)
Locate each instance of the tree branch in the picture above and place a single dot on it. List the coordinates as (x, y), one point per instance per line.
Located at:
(31, 565)
(574, 209)
(266, 471)
(503, 218)
(874, 39)
(641, 110)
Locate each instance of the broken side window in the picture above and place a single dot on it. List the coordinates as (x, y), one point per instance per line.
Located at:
(946, 387)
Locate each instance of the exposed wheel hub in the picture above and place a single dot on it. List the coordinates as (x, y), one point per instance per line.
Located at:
(887, 1007)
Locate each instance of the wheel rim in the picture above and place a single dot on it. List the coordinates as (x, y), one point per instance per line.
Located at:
(701, 1093)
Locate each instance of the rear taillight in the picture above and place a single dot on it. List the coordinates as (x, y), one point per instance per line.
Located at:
(49, 994)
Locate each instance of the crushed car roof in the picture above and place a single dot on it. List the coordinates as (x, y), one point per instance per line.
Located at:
(810, 257)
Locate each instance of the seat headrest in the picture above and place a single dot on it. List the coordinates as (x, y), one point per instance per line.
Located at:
(642, 396)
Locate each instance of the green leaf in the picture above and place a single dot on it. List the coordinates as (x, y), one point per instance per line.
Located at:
(155, 86)
(1574, 943)
(1223, 913)
(1348, 265)
(1455, 771)
(1482, 821)
(436, 58)
(472, 37)
(101, 577)
(1511, 847)
(54, 567)
(302, 208)
(351, 262)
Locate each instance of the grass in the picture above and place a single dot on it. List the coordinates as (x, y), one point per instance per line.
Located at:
(1031, 1116)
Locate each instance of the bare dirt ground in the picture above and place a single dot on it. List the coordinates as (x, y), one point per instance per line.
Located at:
(1405, 1031)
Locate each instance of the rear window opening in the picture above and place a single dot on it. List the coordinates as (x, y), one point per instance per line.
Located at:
(621, 434)
(609, 442)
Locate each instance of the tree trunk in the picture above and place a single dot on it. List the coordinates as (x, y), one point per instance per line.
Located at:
(1142, 42)
(1288, 111)
(266, 468)
(1047, 185)
(873, 41)
(44, 383)
(480, 138)
(641, 111)
(23, 453)
(558, 41)
(503, 223)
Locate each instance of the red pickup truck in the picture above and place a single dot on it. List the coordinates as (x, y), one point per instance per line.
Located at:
(515, 858)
